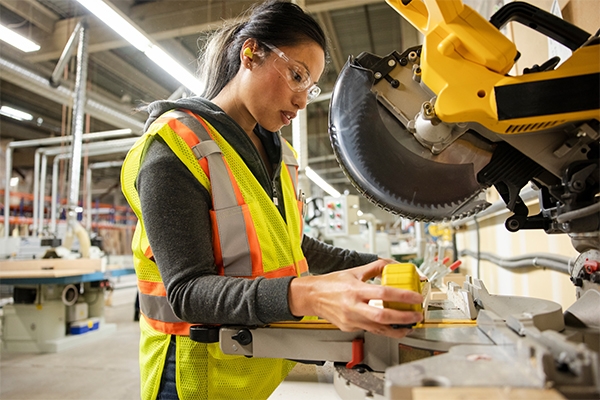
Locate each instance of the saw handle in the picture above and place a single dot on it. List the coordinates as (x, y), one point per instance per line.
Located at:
(542, 21)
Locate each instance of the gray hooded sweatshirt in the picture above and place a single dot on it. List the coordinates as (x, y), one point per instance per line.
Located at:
(175, 212)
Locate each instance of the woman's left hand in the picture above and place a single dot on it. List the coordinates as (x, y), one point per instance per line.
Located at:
(343, 299)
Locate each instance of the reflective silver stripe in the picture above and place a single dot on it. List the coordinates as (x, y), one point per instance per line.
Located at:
(158, 308)
(291, 163)
(204, 149)
(233, 238)
(190, 122)
(235, 248)
(288, 156)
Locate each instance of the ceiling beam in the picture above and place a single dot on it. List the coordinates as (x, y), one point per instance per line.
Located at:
(20, 130)
(335, 50)
(117, 66)
(188, 18)
(33, 12)
(96, 106)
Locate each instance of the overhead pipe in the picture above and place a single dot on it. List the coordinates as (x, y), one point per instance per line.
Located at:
(40, 194)
(38, 143)
(91, 149)
(94, 152)
(97, 106)
(77, 132)
(553, 262)
(88, 205)
(56, 78)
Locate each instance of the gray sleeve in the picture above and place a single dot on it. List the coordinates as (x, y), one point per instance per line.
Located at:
(323, 258)
(175, 209)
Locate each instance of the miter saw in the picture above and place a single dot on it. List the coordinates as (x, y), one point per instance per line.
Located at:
(468, 339)
(424, 132)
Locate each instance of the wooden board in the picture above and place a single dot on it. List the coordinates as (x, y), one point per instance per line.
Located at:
(492, 393)
(48, 268)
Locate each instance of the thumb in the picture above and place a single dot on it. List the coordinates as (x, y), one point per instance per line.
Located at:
(371, 270)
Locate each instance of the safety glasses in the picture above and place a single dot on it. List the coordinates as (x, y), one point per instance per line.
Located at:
(295, 74)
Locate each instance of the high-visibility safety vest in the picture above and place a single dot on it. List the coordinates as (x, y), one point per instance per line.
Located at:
(250, 239)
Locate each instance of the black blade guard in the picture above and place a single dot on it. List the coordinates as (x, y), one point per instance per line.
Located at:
(385, 162)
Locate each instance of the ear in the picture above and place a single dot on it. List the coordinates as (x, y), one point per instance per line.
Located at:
(247, 52)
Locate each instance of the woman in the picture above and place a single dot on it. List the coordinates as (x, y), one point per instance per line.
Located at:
(219, 238)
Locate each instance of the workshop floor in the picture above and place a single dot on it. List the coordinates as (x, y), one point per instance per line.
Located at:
(107, 369)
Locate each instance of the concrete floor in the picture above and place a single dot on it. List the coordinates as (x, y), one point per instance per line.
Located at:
(106, 368)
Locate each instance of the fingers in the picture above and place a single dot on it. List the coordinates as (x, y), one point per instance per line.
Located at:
(342, 298)
(386, 322)
(389, 260)
(389, 316)
(368, 271)
(400, 295)
(387, 293)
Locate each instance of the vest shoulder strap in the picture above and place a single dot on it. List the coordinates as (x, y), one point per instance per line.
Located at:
(230, 219)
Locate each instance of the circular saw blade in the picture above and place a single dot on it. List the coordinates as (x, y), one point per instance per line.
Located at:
(389, 167)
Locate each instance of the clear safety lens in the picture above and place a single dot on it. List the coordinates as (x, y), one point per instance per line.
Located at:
(295, 74)
(313, 93)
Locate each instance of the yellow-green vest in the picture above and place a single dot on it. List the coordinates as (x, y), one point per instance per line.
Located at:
(259, 243)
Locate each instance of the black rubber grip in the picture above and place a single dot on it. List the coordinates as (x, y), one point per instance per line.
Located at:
(541, 21)
(204, 333)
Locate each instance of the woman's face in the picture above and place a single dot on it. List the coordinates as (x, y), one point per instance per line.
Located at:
(279, 88)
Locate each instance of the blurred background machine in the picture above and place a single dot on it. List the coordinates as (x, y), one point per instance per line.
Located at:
(54, 273)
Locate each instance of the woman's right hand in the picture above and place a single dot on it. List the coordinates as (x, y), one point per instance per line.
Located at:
(343, 298)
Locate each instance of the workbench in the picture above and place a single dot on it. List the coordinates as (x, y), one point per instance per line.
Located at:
(50, 295)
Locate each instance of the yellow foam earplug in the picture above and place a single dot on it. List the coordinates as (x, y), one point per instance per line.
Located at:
(248, 52)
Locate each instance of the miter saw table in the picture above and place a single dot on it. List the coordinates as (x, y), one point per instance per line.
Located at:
(469, 340)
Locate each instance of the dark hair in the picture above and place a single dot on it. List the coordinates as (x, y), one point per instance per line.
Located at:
(279, 23)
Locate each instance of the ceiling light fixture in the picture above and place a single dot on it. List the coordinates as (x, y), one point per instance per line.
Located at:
(320, 182)
(122, 25)
(15, 114)
(18, 41)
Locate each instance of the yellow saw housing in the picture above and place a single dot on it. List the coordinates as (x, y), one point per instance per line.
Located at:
(465, 62)
(451, 118)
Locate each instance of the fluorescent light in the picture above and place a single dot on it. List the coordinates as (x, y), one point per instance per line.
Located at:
(117, 23)
(15, 114)
(163, 60)
(18, 41)
(137, 38)
(313, 176)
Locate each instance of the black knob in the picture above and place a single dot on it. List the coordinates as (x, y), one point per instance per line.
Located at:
(243, 337)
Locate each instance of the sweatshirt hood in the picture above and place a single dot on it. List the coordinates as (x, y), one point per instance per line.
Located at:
(197, 105)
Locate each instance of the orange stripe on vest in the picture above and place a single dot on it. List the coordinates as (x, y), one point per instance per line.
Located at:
(152, 288)
(190, 138)
(171, 328)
